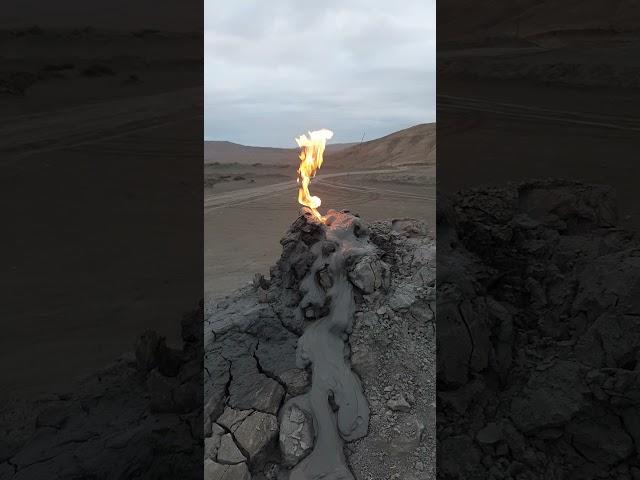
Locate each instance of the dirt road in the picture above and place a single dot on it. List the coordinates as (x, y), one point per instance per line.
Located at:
(243, 227)
(214, 201)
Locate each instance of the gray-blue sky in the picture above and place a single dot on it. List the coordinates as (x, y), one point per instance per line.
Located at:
(275, 69)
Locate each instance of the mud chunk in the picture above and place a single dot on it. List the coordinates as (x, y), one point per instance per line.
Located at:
(370, 274)
(403, 297)
(551, 397)
(296, 435)
(212, 443)
(257, 434)
(228, 451)
(297, 381)
(251, 389)
(407, 434)
(490, 434)
(458, 457)
(232, 418)
(217, 471)
(146, 349)
(601, 439)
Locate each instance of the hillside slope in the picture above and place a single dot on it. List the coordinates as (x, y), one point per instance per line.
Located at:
(414, 145)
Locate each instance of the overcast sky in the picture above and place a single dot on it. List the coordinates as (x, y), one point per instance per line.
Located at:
(275, 69)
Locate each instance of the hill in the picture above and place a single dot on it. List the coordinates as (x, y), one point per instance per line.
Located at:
(414, 145)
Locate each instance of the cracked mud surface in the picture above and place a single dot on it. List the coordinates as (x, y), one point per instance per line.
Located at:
(138, 418)
(538, 335)
(252, 343)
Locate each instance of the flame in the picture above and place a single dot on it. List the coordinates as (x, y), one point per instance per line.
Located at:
(311, 152)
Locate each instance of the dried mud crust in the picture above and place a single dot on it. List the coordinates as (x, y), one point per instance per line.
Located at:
(252, 339)
(538, 335)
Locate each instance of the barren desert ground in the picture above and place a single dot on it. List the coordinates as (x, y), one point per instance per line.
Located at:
(249, 204)
(552, 105)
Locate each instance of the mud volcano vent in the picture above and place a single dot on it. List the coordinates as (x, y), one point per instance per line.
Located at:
(326, 370)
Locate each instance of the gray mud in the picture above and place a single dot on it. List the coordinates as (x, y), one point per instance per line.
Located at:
(322, 347)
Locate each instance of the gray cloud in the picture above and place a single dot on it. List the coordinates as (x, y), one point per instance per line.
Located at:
(276, 69)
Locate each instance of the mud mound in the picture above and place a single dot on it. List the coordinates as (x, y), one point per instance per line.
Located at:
(538, 335)
(327, 368)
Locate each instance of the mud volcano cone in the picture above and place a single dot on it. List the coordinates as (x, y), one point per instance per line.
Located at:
(281, 380)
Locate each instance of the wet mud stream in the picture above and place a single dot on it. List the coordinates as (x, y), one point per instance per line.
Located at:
(335, 401)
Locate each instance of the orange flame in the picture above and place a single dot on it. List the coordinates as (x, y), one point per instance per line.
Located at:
(312, 150)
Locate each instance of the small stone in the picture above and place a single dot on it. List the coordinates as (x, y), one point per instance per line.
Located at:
(228, 451)
(398, 404)
(490, 434)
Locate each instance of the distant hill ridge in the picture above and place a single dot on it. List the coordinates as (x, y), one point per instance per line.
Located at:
(414, 145)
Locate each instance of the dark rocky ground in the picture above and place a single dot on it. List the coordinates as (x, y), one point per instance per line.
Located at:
(538, 335)
(254, 430)
(138, 418)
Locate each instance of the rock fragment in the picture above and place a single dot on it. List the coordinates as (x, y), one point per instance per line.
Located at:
(398, 404)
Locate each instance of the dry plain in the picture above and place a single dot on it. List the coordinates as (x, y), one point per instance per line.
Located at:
(250, 202)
